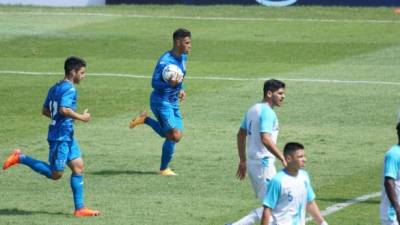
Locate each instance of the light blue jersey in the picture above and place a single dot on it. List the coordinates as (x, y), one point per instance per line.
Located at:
(260, 118)
(62, 94)
(287, 196)
(163, 91)
(391, 168)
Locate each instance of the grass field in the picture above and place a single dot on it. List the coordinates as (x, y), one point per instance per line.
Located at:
(341, 66)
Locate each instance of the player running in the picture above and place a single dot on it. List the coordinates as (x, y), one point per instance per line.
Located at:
(164, 100)
(60, 106)
(290, 192)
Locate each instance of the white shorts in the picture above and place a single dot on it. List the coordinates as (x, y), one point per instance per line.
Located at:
(260, 171)
(389, 222)
(387, 212)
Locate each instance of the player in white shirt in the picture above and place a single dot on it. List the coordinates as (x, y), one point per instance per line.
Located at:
(290, 192)
(260, 127)
(390, 207)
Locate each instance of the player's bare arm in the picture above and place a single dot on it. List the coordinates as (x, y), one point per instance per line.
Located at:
(390, 188)
(241, 145)
(182, 95)
(313, 209)
(266, 216)
(267, 141)
(46, 112)
(85, 116)
(173, 82)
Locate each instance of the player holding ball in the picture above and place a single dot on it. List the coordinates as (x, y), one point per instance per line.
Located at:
(167, 83)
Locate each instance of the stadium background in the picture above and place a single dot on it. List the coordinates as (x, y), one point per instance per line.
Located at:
(252, 2)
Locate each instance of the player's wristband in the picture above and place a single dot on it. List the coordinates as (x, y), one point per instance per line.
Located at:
(324, 223)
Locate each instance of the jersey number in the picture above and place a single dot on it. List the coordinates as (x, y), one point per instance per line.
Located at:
(290, 196)
(53, 105)
(249, 130)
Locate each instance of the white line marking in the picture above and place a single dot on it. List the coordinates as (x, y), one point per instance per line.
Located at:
(336, 207)
(213, 78)
(331, 209)
(200, 17)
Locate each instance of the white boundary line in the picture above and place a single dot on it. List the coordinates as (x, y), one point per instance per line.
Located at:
(211, 78)
(331, 209)
(199, 17)
(336, 207)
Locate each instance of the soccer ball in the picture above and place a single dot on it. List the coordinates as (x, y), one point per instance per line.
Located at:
(172, 71)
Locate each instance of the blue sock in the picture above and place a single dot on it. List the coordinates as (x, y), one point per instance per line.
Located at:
(155, 125)
(167, 153)
(77, 190)
(36, 165)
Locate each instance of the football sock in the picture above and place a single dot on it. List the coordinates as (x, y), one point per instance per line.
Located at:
(155, 125)
(77, 190)
(252, 218)
(36, 165)
(167, 153)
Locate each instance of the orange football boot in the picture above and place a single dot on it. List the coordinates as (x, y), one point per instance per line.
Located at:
(86, 212)
(167, 172)
(138, 120)
(12, 159)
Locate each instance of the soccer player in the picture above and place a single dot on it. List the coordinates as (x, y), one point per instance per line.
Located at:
(390, 202)
(164, 100)
(60, 106)
(260, 127)
(290, 192)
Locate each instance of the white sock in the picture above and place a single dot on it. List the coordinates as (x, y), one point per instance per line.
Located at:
(252, 218)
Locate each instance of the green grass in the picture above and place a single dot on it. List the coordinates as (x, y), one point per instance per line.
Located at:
(346, 127)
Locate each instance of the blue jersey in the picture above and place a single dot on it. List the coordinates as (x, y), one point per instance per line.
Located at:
(162, 90)
(62, 94)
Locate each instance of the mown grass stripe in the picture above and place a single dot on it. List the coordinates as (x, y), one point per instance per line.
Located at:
(213, 78)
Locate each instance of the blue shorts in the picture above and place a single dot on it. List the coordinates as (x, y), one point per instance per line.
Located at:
(168, 115)
(62, 152)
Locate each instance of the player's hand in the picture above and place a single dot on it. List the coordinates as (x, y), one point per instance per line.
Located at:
(241, 170)
(284, 163)
(174, 81)
(398, 216)
(182, 95)
(86, 116)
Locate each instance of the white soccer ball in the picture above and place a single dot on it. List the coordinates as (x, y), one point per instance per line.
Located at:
(172, 71)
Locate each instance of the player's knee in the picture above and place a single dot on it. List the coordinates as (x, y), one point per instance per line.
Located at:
(177, 138)
(174, 135)
(76, 166)
(78, 170)
(55, 175)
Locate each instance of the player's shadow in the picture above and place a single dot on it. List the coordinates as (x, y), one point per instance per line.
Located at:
(119, 172)
(343, 200)
(21, 212)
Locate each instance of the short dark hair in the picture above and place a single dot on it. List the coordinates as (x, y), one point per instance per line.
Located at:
(398, 131)
(73, 63)
(273, 85)
(181, 33)
(292, 147)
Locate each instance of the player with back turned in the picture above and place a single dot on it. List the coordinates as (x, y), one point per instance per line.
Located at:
(60, 106)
